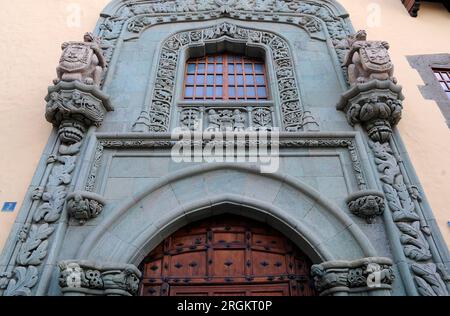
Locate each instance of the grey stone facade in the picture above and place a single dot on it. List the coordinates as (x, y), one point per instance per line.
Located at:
(107, 191)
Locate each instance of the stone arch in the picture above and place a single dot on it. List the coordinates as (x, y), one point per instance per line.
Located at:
(142, 221)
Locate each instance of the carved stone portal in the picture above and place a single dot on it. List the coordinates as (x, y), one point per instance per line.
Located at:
(82, 61)
(85, 278)
(366, 204)
(343, 277)
(377, 105)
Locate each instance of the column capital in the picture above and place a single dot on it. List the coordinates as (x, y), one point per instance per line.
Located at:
(346, 277)
(87, 278)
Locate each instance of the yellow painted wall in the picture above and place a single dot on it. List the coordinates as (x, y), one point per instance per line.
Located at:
(32, 32)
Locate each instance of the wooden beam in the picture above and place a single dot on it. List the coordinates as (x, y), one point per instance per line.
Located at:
(412, 6)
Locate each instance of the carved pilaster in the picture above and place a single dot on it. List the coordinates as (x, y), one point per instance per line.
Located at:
(85, 278)
(346, 277)
(374, 100)
(366, 204)
(74, 104)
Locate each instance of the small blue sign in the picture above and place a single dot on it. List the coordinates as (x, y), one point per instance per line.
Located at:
(9, 206)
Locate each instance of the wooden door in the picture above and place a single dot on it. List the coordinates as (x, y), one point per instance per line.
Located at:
(226, 255)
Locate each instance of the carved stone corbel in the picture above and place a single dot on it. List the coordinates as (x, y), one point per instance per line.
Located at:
(86, 278)
(366, 204)
(75, 101)
(346, 277)
(376, 105)
(84, 206)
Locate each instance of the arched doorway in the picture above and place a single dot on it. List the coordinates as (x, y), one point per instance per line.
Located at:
(226, 255)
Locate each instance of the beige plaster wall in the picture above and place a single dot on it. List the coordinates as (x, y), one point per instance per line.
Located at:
(32, 32)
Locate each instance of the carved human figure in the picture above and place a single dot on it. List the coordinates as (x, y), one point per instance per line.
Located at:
(239, 121)
(81, 61)
(79, 207)
(213, 121)
(226, 120)
(368, 60)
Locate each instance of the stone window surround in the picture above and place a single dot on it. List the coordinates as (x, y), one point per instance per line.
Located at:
(216, 46)
(432, 90)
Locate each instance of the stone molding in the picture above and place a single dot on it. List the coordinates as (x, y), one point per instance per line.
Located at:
(86, 278)
(347, 277)
(366, 204)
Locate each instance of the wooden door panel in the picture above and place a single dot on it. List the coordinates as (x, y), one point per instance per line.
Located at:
(265, 263)
(232, 290)
(189, 264)
(228, 263)
(226, 255)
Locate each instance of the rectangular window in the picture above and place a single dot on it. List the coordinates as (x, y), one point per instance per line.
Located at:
(443, 76)
(225, 77)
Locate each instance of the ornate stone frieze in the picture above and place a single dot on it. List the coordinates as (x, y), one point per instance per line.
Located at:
(366, 204)
(85, 278)
(84, 206)
(215, 119)
(82, 61)
(376, 105)
(157, 118)
(76, 101)
(339, 277)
